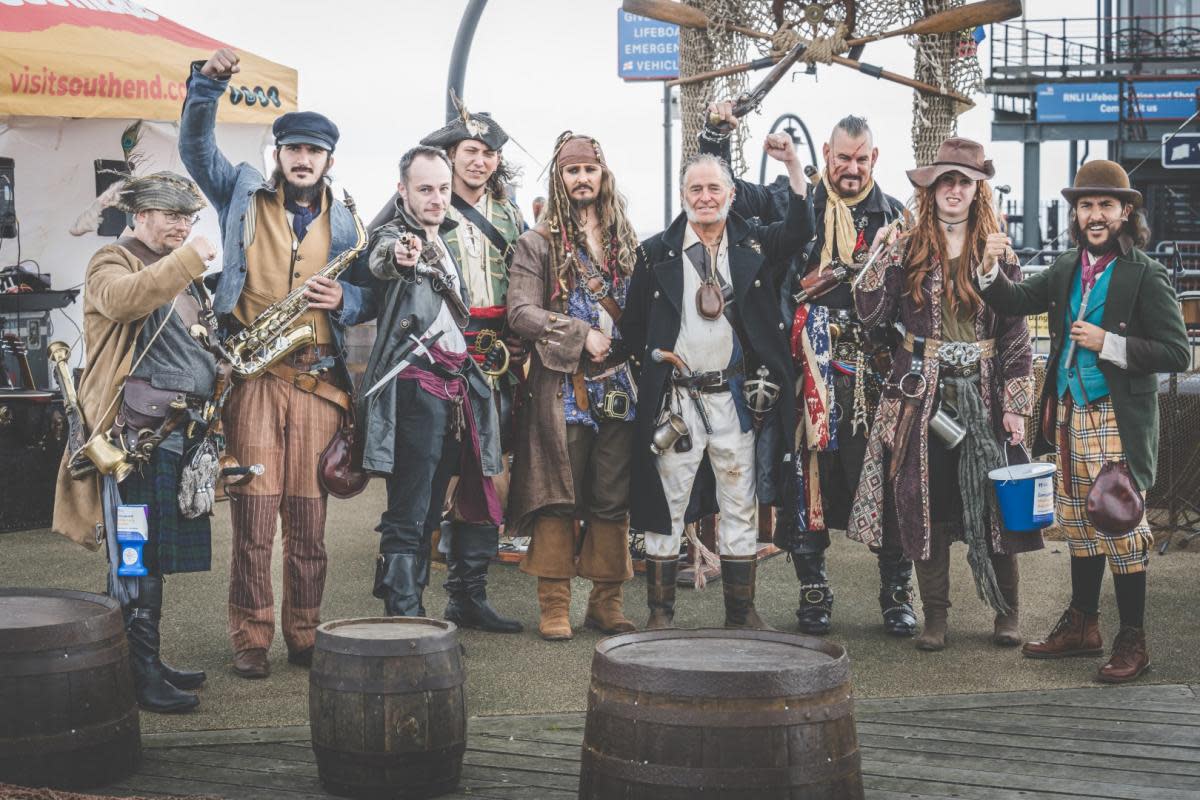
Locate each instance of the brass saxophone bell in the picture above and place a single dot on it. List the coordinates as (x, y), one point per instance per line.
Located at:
(108, 457)
(667, 434)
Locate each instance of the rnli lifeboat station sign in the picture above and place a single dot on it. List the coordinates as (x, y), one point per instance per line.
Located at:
(1101, 102)
(647, 50)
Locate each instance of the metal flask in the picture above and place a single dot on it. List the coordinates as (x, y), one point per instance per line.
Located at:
(947, 428)
(667, 433)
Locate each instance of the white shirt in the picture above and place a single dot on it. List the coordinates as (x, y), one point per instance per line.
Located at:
(452, 340)
(475, 249)
(705, 345)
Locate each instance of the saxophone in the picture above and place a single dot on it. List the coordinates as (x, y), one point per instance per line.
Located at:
(254, 349)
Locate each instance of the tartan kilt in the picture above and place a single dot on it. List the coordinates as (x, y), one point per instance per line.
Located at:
(176, 544)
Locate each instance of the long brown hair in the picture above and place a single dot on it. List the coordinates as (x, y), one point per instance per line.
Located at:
(566, 233)
(927, 246)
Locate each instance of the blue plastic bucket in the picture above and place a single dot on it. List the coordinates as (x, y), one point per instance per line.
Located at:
(1026, 495)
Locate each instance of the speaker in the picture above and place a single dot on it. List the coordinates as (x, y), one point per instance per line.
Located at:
(112, 220)
(8, 201)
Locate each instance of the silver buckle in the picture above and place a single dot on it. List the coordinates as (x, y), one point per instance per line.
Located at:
(959, 354)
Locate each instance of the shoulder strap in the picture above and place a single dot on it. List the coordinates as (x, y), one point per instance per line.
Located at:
(494, 236)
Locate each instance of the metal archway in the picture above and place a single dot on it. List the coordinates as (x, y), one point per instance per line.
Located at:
(789, 117)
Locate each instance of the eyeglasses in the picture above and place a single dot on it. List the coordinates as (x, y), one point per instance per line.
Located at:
(175, 218)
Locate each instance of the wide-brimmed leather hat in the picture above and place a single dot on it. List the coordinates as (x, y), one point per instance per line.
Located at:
(954, 155)
(1102, 177)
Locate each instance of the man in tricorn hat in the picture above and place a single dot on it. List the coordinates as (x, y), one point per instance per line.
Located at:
(141, 294)
(1114, 323)
(482, 243)
(278, 234)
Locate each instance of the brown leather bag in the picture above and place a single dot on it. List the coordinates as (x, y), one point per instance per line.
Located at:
(339, 470)
(1049, 417)
(1114, 504)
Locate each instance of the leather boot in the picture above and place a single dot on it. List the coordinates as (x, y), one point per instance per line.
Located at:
(605, 612)
(737, 580)
(424, 558)
(154, 692)
(816, 598)
(895, 593)
(1129, 657)
(554, 600)
(1075, 634)
(397, 584)
(1007, 629)
(472, 548)
(604, 559)
(179, 678)
(933, 579)
(660, 591)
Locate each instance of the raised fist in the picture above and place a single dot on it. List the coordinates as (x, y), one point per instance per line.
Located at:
(204, 248)
(221, 64)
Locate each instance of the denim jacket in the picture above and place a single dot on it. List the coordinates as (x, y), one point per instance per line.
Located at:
(231, 190)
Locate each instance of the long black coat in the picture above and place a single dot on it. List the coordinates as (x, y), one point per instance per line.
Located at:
(652, 318)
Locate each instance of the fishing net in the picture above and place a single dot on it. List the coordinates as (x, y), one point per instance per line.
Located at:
(742, 30)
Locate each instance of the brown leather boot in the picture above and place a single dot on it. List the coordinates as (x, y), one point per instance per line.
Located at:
(737, 582)
(605, 611)
(933, 582)
(554, 599)
(660, 591)
(1007, 629)
(1129, 657)
(1075, 634)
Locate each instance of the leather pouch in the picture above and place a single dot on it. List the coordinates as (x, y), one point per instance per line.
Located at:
(144, 407)
(339, 470)
(1114, 505)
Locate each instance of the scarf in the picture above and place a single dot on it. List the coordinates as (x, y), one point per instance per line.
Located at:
(839, 222)
(302, 217)
(1093, 269)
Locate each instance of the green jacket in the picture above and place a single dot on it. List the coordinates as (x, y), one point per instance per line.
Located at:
(505, 216)
(1142, 307)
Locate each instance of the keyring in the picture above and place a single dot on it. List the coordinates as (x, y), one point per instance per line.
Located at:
(918, 388)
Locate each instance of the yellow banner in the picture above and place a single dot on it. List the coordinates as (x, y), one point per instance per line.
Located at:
(124, 62)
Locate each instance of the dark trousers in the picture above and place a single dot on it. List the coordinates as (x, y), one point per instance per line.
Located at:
(425, 459)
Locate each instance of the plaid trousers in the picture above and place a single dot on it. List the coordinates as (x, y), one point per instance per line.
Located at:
(1094, 441)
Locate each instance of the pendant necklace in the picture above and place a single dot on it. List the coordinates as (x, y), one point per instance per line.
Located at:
(950, 223)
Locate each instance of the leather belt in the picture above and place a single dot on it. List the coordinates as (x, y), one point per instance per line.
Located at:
(912, 386)
(311, 382)
(713, 381)
(954, 354)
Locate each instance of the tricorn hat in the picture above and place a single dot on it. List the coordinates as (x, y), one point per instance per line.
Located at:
(467, 126)
(1102, 177)
(954, 155)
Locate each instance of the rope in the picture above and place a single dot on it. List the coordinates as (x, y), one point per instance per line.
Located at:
(701, 557)
(820, 50)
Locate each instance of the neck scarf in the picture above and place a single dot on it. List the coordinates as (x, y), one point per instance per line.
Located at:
(1094, 267)
(839, 222)
(302, 216)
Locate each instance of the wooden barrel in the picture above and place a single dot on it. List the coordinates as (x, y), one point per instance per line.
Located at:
(725, 713)
(386, 708)
(68, 716)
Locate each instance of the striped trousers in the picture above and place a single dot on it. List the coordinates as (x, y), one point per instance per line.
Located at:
(269, 421)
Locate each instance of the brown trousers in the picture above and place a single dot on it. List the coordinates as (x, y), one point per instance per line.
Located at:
(270, 422)
(600, 475)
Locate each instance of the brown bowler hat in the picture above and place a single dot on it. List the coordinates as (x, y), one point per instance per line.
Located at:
(1102, 177)
(954, 155)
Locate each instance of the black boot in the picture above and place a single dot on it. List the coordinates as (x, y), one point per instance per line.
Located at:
(179, 678)
(154, 692)
(397, 584)
(471, 550)
(737, 581)
(660, 591)
(816, 598)
(895, 593)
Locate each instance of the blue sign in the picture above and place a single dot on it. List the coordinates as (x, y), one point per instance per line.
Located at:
(1101, 102)
(1181, 151)
(647, 50)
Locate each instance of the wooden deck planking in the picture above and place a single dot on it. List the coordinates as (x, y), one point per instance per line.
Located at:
(1127, 743)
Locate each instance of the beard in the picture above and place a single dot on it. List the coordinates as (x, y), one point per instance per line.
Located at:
(579, 204)
(722, 215)
(1111, 243)
(298, 195)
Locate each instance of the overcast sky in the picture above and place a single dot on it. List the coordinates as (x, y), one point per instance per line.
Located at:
(378, 68)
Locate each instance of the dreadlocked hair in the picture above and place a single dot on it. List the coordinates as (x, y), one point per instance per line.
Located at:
(568, 237)
(927, 246)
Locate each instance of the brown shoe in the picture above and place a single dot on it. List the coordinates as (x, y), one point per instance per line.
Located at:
(1076, 634)
(554, 599)
(251, 663)
(604, 610)
(1129, 657)
(933, 632)
(738, 575)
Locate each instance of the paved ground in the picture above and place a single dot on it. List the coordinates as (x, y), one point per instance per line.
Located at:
(524, 675)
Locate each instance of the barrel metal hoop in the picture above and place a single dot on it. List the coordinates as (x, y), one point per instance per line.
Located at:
(389, 686)
(803, 775)
(61, 660)
(74, 740)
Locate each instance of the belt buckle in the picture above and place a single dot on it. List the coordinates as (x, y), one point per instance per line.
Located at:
(616, 404)
(305, 382)
(485, 340)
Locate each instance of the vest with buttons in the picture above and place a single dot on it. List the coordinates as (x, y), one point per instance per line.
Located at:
(1085, 373)
(271, 272)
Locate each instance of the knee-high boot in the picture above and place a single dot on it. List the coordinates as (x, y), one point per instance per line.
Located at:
(895, 592)
(933, 579)
(551, 558)
(1007, 630)
(398, 583)
(605, 559)
(660, 591)
(737, 580)
(816, 598)
(154, 692)
(472, 548)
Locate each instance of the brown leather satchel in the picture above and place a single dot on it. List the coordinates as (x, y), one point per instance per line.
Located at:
(339, 470)
(1049, 417)
(1114, 504)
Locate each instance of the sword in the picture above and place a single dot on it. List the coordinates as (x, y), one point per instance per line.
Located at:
(415, 346)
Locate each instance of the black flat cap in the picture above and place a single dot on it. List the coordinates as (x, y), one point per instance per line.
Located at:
(468, 126)
(305, 127)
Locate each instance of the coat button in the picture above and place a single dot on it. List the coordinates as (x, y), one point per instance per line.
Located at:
(1052, 304)
(670, 254)
(419, 280)
(656, 294)
(553, 318)
(1121, 326)
(295, 274)
(557, 394)
(757, 283)
(781, 326)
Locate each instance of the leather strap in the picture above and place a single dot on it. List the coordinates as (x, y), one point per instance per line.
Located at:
(579, 384)
(910, 409)
(494, 236)
(595, 285)
(309, 382)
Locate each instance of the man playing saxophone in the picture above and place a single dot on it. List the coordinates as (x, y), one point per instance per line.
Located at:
(277, 235)
(143, 369)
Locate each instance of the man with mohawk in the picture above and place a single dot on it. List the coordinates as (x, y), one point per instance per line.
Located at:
(574, 436)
